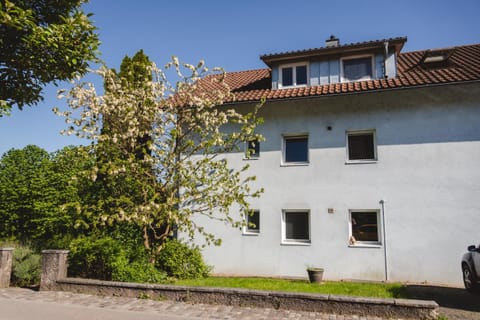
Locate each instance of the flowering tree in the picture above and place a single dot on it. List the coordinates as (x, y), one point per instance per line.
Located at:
(178, 172)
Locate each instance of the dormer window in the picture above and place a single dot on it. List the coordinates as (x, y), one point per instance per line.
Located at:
(335, 63)
(293, 75)
(357, 68)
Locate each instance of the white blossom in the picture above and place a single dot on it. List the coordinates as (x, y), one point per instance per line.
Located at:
(178, 130)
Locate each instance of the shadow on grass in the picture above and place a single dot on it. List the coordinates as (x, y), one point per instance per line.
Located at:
(399, 292)
(455, 298)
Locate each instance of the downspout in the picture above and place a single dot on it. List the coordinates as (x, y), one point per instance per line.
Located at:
(384, 233)
(385, 60)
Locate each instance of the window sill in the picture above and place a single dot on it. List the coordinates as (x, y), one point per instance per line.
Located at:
(365, 245)
(293, 86)
(360, 161)
(345, 80)
(295, 243)
(250, 233)
(294, 164)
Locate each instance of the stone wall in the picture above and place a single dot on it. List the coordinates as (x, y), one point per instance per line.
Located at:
(330, 304)
(54, 267)
(6, 258)
(54, 271)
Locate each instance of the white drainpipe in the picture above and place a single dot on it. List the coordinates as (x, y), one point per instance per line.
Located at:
(382, 202)
(385, 60)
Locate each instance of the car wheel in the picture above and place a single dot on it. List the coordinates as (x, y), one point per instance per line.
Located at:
(468, 278)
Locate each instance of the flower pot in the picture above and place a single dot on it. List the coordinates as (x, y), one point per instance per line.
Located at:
(315, 275)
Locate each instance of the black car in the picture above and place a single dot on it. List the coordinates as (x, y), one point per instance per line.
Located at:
(471, 268)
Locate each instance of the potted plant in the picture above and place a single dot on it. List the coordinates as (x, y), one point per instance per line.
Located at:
(315, 275)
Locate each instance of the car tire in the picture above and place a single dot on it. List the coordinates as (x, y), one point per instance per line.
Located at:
(469, 280)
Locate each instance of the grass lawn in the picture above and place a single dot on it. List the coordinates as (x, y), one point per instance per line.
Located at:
(377, 290)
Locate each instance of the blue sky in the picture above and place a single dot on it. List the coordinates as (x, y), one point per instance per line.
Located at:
(233, 34)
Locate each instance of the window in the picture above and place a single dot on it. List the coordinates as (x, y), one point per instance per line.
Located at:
(301, 75)
(296, 226)
(253, 223)
(357, 69)
(436, 58)
(293, 75)
(361, 146)
(253, 149)
(295, 149)
(287, 76)
(364, 227)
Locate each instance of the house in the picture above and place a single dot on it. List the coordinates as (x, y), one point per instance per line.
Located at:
(370, 164)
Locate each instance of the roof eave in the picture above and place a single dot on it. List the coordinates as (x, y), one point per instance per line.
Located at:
(377, 90)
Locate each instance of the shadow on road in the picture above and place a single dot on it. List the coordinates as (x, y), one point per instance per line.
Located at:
(455, 298)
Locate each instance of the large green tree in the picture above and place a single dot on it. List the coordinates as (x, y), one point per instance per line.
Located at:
(41, 41)
(182, 172)
(108, 190)
(135, 72)
(134, 76)
(33, 186)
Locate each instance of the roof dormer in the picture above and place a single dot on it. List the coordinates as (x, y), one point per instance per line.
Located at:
(335, 63)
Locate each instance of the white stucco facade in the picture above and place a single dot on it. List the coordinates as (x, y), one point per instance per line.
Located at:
(424, 185)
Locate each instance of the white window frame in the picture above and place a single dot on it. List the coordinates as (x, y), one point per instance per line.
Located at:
(250, 232)
(296, 242)
(285, 137)
(342, 77)
(365, 244)
(360, 132)
(294, 74)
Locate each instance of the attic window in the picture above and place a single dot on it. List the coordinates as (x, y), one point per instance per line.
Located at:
(357, 68)
(436, 58)
(293, 75)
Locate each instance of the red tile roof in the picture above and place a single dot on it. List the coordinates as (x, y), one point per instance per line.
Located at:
(463, 66)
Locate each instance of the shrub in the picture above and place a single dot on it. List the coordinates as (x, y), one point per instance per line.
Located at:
(107, 259)
(182, 261)
(92, 257)
(137, 271)
(26, 266)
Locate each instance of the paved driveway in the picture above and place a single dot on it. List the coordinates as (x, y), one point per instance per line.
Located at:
(23, 304)
(455, 303)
